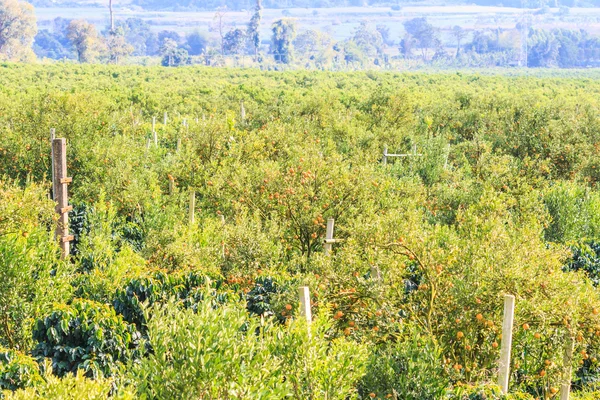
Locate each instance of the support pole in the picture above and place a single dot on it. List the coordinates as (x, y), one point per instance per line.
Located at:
(165, 118)
(385, 152)
(565, 387)
(507, 325)
(171, 184)
(305, 310)
(52, 137)
(61, 194)
(328, 236)
(192, 206)
(154, 131)
(242, 111)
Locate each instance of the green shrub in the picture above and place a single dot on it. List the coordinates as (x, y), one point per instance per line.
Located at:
(71, 387)
(18, 371)
(87, 336)
(31, 275)
(189, 289)
(410, 369)
(214, 353)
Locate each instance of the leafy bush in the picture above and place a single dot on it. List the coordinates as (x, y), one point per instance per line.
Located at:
(188, 289)
(213, 353)
(586, 257)
(87, 336)
(18, 371)
(71, 387)
(411, 368)
(31, 276)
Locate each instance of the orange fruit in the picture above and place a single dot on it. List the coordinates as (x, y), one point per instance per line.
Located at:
(537, 335)
(479, 317)
(525, 327)
(542, 373)
(372, 395)
(460, 335)
(495, 345)
(288, 307)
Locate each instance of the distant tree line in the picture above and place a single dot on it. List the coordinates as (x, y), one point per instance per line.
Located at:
(369, 45)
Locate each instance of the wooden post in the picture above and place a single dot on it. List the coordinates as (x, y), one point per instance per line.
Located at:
(565, 387)
(223, 243)
(242, 111)
(61, 194)
(165, 118)
(52, 137)
(148, 143)
(385, 152)
(507, 325)
(171, 184)
(192, 206)
(305, 311)
(178, 144)
(154, 131)
(329, 236)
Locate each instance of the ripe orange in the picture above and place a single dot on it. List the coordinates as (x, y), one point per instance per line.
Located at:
(525, 327)
(595, 311)
(479, 317)
(495, 345)
(537, 335)
(553, 390)
(288, 307)
(460, 335)
(372, 395)
(542, 373)
(338, 315)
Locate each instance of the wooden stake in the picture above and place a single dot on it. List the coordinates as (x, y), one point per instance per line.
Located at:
(171, 184)
(153, 124)
(329, 236)
(52, 136)
(192, 206)
(154, 131)
(61, 194)
(565, 387)
(178, 144)
(305, 310)
(507, 325)
(385, 152)
(242, 111)
(165, 118)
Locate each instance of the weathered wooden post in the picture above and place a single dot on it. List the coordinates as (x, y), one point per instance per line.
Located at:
(165, 118)
(178, 144)
(329, 236)
(52, 137)
(385, 152)
(61, 194)
(507, 325)
(192, 210)
(171, 184)
(565, 387)
(154, 131)
(242, 111)
(305, 310)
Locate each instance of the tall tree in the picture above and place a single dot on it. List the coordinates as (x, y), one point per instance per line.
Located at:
(234, 41)
(117, 46)
(85, 40)
(218, 18)
(253, 31)
(284, 33)
(423, 33)
(459, 34)
(17, 29)
(196, 43)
